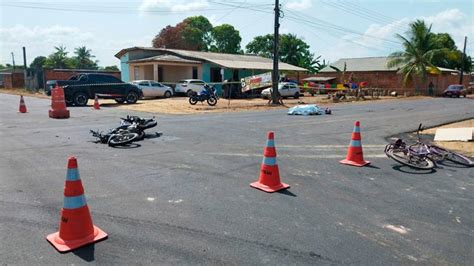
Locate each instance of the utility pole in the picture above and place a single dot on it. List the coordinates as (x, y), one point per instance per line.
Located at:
(25, 70)
(462, 60)
(13, 60)
(275, 72)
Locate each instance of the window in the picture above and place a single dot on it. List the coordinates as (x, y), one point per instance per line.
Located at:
(110, 79)
(136, 72)
(155, 84)
(196, 82)
(195, 72)
(143, 83)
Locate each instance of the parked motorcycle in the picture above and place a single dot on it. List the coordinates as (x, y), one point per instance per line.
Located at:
(207, 94)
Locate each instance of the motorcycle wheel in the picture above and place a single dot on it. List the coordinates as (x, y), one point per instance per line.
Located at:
(122, 139)
(192, 100)
(212, 101)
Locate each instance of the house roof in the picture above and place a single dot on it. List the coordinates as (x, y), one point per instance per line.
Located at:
(319, 78)
(366, 64)
(238, 61)
(165, 58)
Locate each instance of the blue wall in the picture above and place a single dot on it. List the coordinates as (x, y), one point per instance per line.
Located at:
(124, 68)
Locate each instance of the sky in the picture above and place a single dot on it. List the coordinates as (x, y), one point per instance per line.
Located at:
(334, 29)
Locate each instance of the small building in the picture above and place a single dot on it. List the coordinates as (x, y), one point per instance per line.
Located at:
(375, 72)
(10, 79)
(171, 65)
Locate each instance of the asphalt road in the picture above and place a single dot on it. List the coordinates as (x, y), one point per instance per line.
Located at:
(184, 197)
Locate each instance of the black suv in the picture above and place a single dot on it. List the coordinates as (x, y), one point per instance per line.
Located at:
(79, 89)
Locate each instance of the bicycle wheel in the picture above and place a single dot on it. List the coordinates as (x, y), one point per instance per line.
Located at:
(411, 160)
(122, 139)
(452, 156)
(460, 159)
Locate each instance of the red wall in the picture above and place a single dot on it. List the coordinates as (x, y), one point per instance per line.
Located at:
(391, 80)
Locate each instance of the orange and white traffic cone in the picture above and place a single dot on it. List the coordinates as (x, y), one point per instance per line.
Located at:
(75, 228)
(269, 180)
(355, 154)
(96, 103)
(22, 108)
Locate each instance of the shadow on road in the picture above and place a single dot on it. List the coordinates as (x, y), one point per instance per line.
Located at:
(452, 164)
(86, 253)
(372, 166)
(409, 170)
(128, 146)
(286, 192)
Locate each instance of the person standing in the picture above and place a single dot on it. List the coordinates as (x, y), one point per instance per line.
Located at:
(431, 88)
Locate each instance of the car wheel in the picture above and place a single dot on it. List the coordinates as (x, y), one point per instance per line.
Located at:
(132, 97)
(120, 100)
(80, 99)
(167, 94)
(297, 95)
(189, 93)
(69, 101)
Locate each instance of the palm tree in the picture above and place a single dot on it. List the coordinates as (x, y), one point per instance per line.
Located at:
(84, 57)
(420, 48)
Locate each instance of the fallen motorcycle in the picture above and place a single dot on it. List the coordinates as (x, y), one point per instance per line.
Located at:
(132, 128)
(207, 94)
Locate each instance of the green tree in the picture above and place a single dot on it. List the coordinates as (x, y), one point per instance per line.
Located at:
(84, 58)
(225, 39)
(293, 50)
(417, 58)
(38, 62)
(196, 33)
(111, 68)
(193, 33)
(59, 58)
(451, 57)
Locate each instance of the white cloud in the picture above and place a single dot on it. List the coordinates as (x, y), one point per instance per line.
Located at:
(299, 5)
(452, 21)
(196, 5)
(175, 6)
(41, 41)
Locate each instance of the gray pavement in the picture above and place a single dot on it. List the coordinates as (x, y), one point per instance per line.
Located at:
(184, 198)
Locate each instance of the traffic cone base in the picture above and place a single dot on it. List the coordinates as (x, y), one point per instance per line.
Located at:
(268, 188)
(67, 245)
(360, 164)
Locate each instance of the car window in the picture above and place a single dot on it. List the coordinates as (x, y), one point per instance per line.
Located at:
(143, 83)
(110, 79)
(82, 78)
(182, 81)
(155, 84)
(196, 82)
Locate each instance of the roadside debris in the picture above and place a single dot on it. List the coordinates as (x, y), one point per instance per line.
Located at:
(454, 134)
(132, 128)
(308, 109)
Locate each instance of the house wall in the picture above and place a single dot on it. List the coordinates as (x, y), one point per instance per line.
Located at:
(13, 80)
(392, 81)
(124, 67)
(52, 74)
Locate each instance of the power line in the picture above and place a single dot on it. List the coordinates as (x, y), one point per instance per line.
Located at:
(326, 25)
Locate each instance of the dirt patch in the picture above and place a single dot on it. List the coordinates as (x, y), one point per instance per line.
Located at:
(24, 92)
(466, 148)
(180, 105)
